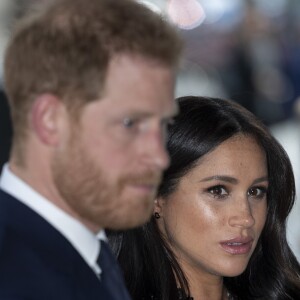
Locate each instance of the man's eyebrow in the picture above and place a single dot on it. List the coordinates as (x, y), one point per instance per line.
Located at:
(145, 114)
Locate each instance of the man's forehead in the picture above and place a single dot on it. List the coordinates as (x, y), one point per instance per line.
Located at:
(137, 108)
(125, 58)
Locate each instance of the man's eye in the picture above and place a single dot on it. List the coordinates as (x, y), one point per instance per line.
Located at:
(218, 191)
(128, 122)
(168, 121)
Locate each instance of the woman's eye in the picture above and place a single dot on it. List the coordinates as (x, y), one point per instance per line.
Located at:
(218, 191)
(258, 192)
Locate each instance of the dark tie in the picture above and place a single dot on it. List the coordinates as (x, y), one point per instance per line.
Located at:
(111, 276)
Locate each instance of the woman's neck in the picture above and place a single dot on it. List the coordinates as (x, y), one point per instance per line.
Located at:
(206, 286)
(211, 292)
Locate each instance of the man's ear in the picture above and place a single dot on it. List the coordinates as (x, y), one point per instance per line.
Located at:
(45, 118)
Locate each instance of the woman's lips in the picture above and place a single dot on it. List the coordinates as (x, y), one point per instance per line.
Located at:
(237, 245)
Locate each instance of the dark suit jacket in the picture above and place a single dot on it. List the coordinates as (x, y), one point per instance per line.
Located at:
(37, 262)
(5, 130)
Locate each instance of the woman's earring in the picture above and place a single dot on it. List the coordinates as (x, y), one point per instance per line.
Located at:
(156, 215)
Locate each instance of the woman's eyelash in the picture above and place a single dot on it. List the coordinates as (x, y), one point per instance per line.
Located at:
(218, 191)
(262, 191)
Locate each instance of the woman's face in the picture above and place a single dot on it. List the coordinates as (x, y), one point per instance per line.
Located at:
(214, 219)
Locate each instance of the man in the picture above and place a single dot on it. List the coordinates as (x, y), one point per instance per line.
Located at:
(90, 86)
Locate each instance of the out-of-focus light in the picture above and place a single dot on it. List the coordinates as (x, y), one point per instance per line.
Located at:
(151, 5)
(187, 14)
(214, 9)
(227, 13)
(272, 8)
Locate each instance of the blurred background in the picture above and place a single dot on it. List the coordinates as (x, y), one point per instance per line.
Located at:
(245, 50)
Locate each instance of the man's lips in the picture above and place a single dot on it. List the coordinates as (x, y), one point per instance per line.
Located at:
(239, 245)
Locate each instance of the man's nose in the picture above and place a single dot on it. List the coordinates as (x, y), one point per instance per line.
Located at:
(155, 150)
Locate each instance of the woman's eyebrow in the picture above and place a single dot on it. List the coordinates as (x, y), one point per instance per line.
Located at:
(261, 179)
(232, 179)
(221, 178)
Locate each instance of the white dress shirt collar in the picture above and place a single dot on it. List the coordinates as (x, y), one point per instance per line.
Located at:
(82, 239)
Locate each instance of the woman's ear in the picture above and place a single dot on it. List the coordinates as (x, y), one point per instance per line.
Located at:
(158, 207)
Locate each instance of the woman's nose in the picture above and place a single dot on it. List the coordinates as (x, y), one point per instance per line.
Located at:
(241, 215)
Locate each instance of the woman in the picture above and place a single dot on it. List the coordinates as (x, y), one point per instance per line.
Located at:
(219, 224)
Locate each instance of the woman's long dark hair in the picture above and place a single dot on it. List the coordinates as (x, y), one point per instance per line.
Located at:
(150, 268)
